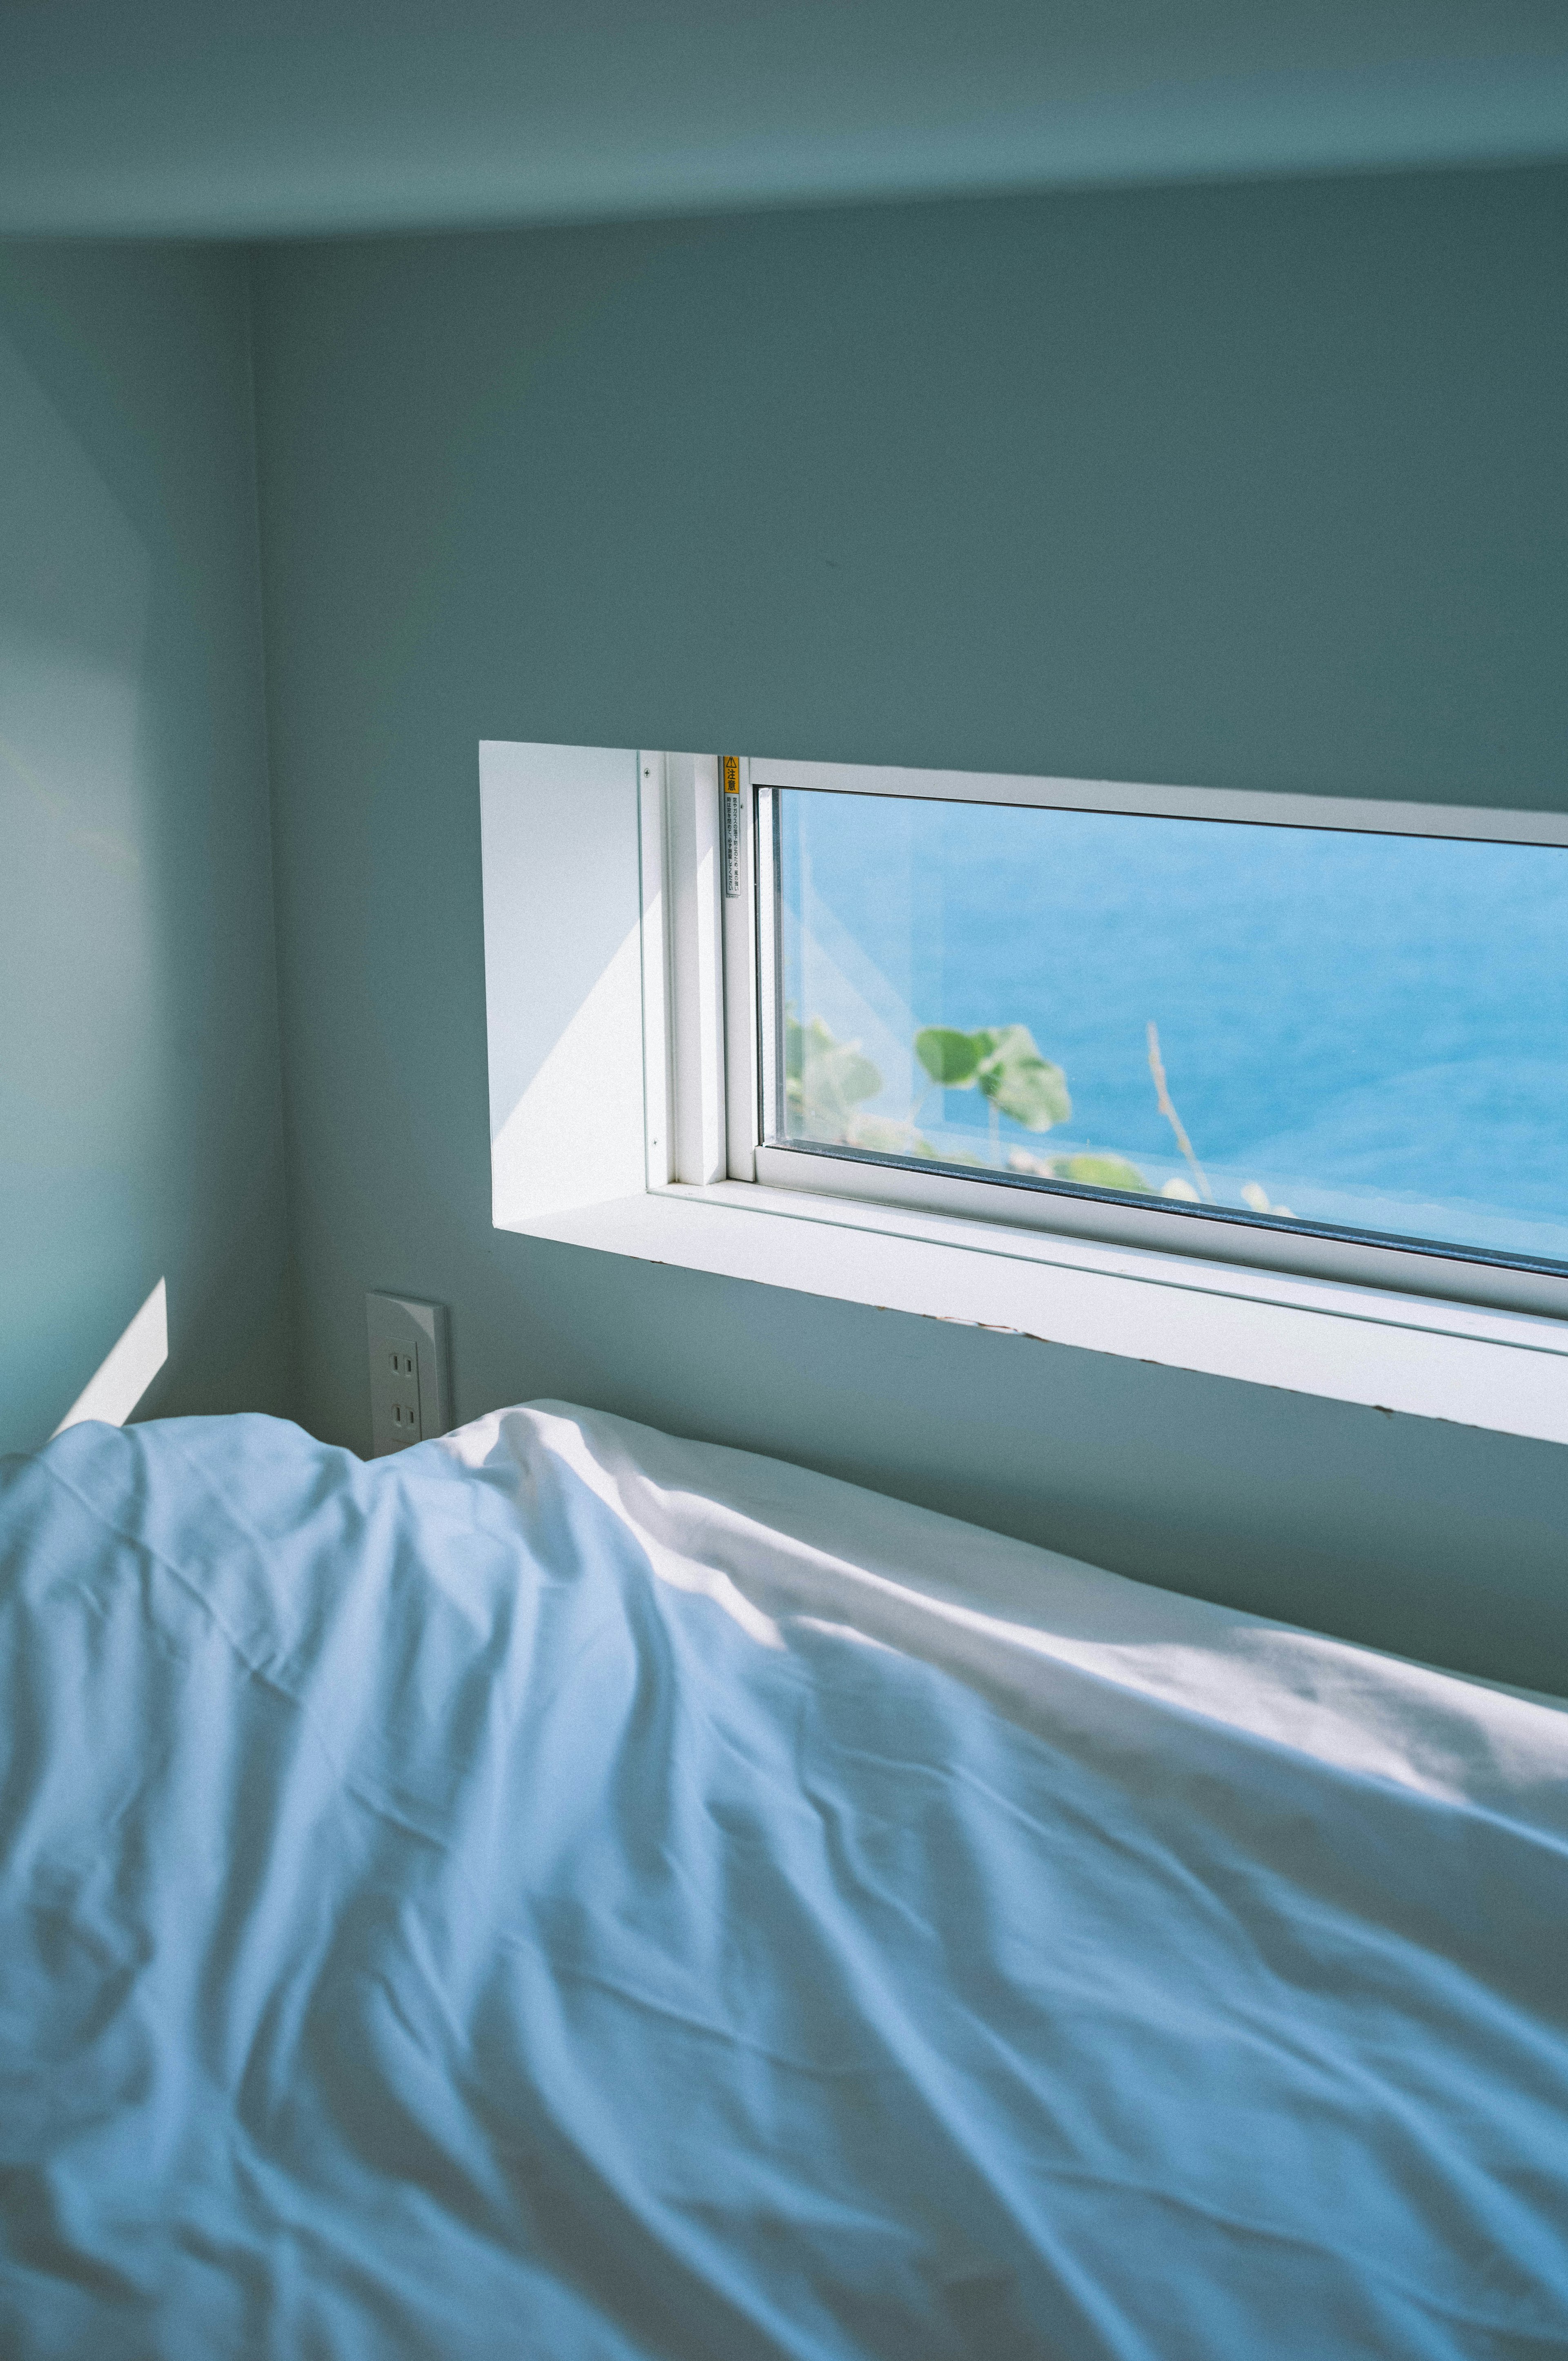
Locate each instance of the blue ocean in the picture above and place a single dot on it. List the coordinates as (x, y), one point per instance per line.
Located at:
(1365, 1030)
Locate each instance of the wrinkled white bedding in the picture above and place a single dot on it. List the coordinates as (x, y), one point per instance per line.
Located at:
(570, 1892)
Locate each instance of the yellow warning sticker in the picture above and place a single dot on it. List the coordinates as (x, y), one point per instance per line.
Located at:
(729, 804)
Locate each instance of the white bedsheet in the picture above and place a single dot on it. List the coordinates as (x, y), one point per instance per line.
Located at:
(570, 1892)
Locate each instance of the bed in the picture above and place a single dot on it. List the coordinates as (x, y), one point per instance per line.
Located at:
(567, 1891)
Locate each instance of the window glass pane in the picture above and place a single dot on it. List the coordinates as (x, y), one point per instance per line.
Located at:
(1366, 1032)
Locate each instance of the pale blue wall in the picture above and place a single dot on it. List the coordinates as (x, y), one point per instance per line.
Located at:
(1254, 487)
(140, 1121)
(173, 118)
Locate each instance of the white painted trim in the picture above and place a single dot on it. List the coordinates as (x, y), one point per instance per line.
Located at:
(1472, 821)
(740, 1062)
(563, 975)
(766, 961)
(1166, 1229)
(657, 1112)
(579, 843)
(1505, 1371)
(695, 965)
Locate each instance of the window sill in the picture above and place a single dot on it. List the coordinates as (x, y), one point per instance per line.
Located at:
(612, 971)
(1502, 1370)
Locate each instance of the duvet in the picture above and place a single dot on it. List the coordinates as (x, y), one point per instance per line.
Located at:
(564, 1892)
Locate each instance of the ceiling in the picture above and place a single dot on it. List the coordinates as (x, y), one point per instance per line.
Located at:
(255, 118)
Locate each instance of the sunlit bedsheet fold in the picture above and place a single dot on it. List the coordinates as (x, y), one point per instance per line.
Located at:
(567, 1891)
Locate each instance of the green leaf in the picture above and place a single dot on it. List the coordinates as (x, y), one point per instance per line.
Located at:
(1100, 1173)
(950, 1058)
(1018, 1082)
(826, 1080)
(794, 1046)
(841, 1074)
(884, 1135)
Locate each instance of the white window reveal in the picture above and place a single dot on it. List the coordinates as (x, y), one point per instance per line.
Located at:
(1273, 1087)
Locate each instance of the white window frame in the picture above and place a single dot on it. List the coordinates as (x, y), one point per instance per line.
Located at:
(1231, 1236)
(662, 975)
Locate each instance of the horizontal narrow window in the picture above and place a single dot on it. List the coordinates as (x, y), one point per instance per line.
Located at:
(1306, 1028)
(1268, 1087)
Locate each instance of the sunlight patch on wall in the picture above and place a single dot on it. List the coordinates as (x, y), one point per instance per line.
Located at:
(126, 1371)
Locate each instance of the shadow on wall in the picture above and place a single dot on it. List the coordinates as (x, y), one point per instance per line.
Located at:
(139, 1076)
(77, 919)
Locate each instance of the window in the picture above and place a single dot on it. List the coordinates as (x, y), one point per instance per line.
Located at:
(1272, 1088)
(1285, 1030)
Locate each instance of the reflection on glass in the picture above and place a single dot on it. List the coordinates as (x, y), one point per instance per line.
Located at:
(1366, 1032)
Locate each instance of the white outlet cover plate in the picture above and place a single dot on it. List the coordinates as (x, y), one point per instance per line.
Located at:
(407, 1407)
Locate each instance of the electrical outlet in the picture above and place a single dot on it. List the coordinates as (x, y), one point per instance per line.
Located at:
(409, 1392)
(403, 1389)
